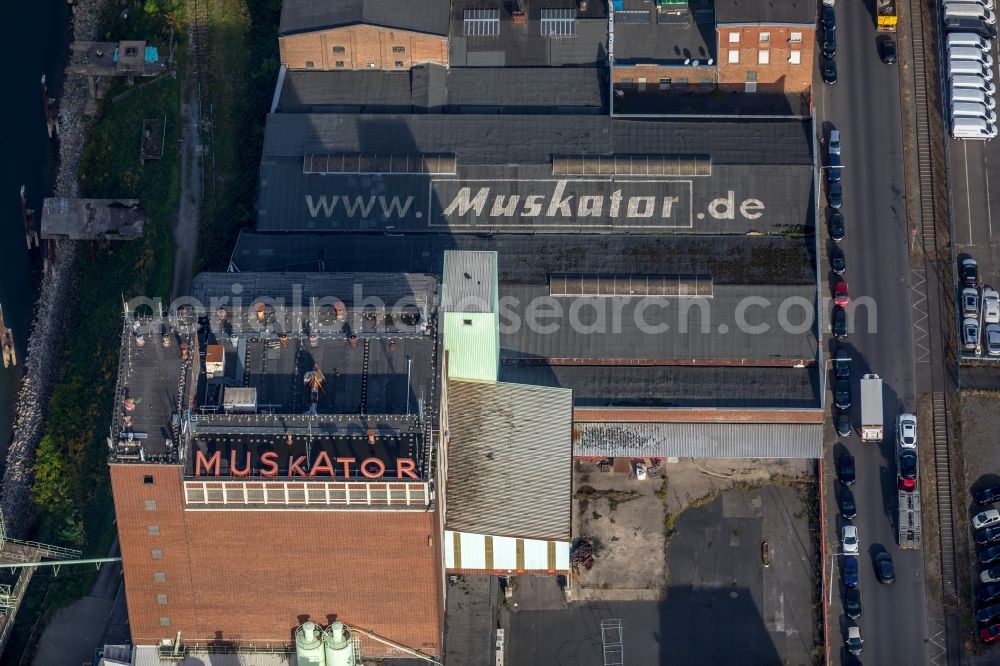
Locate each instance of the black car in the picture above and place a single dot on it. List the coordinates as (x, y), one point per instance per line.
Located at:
(836, 225)
(842, 393)
(908, 470)
(828, 18)
(884, 570)
(835, 195)
(989, 555)
(843, 423)
(852, 603)
(845, 469)
(839, 322)
(985, 615)
(845, 502)
(887, 50)
(972, 25)
(989, 535)
(842, 363)
(833, 168)
(969, 270)
(829, 44)
(829, 72)
(838, 262)
(986, 495)
(988, 592)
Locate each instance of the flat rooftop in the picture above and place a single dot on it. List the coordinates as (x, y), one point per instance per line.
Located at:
(280, 362)
(645, 35)
(552, 174)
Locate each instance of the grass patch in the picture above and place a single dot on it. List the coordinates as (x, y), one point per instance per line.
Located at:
(71, 492)
(613, 497)
(661, 492)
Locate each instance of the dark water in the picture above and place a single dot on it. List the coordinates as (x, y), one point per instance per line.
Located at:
(33, 41)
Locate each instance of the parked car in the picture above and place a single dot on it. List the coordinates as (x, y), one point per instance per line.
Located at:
(842, 394)
(834, 191)
(849, 570)
(829, 47)
(908, 470)
(990, 634)
(845, 502)
(992, 337)
(838, 262)
(970, 334)
(887, 49)
(840, 294)
(969, 271)
(839, 323)
(852, 603)
(842, 363)
(849, 540)
(988, 592)
(991, 306)
(854, 641)
(986, 614)
(833, 168)
(845, 469)
(843, 423)
(828, 18)
(989, 535)
(836, 225)
(991, 575)
(970, 302)
(906, 430)
(986, 495)
(989, 555)
(884, 570)
(987, 518)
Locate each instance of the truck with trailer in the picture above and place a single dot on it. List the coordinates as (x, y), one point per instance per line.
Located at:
(886, 15)
(872, 415)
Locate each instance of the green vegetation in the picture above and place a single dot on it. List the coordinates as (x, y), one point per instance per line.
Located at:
(614, 497)
(242, 71)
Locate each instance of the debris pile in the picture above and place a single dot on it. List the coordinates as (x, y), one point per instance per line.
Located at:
(582, 555)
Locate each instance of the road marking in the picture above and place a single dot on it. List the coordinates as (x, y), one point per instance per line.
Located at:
(918, 305)
(968, 198)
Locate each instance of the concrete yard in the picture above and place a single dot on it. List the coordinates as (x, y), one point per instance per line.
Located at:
(678, 592)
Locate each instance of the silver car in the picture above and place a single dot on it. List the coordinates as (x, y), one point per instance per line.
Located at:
(991, 306)
(970, 334)
(970, 302)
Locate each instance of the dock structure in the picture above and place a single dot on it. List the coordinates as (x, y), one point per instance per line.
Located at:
(30, 223)
(91, 219)
(50, 105)
(128, 58)
(7, 343)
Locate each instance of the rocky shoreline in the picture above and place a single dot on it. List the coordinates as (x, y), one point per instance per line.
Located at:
(55, 298)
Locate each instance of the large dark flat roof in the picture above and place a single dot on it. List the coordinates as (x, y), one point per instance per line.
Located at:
(428, 16)
(645, 35)
(799, 12)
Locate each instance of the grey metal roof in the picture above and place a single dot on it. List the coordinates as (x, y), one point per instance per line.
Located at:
(509, 460)
(642, 34)
(699, 440)
(149, 655)
(427, 16)
(436, 88)
(468, 281)
(529, 139)
(800, 12)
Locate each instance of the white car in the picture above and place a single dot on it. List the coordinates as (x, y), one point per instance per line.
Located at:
(986, 519)
(991, 306)
(854, 640)
(991, 575)
(849, 539)
(970, 334)
(906, 431)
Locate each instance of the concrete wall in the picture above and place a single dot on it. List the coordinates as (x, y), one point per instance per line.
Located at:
(252, 576)
(364, 47)
(650, 76)
(779, 74)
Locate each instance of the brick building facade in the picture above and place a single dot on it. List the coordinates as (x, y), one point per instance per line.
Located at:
(361, 47)
(766, 58)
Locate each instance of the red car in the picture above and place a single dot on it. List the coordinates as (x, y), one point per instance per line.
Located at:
(840, 296)
(990, 634)
(908, 485)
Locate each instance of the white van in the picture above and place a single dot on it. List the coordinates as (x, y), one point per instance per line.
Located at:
(969, 67)
(970, 53)
(973, 82)
(967, 39)
(970, 110)
(974, 96)
(988, 4)
(966, 10)
(973, 128)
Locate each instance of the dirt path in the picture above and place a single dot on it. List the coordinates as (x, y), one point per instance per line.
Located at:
(186, 229)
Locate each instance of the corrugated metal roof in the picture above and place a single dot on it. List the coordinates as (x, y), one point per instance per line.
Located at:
(427, 16)
(470, 281)
(796, 12)
(509, 460)
(149, 655)
(698, 440)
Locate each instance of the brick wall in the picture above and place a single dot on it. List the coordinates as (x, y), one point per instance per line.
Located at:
(254, 575)
(363, 47)
(780, 73)
(651, 75)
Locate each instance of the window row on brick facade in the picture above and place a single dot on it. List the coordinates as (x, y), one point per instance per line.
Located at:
(765, 38)
(764, 57)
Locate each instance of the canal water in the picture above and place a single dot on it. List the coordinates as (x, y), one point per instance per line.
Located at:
(34, 40)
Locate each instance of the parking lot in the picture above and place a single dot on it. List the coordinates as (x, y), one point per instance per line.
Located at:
(676, 561)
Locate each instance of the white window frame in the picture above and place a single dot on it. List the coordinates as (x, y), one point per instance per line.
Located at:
(763, 57)
(734, 56)
(765, 38)
(734, 37)
(796, 38)
(795, 57)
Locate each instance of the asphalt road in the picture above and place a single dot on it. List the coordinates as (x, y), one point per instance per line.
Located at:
(864, 105)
